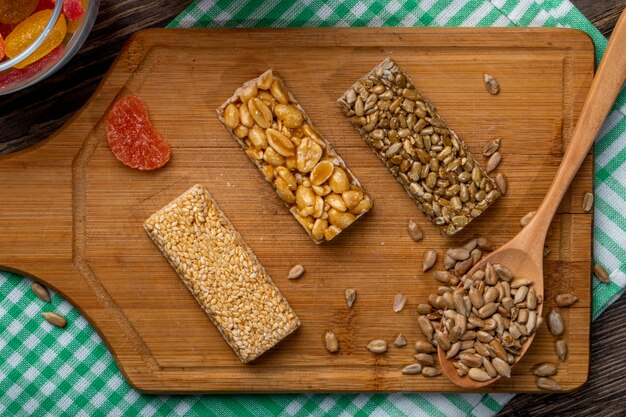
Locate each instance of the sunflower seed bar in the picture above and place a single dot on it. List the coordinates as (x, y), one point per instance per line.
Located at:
(222, 273)
(430, 161)
(308, 175)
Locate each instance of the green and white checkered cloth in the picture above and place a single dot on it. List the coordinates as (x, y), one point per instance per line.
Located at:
(49, 372)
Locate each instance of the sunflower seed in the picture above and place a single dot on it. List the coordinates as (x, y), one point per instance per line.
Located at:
(459, 254)
(493, 162)
(490, 147)
(588, 202)
(544, 369)
(55, 319)
(400, 341)
(296, 272)
(478, 374)
(527, 218)
(443, 276)
(565, 300)
(429, 260)
(425, 359)
(377, 346)
(41, 292)
(430, 371)
(503, 367)
(442, 341)
(546, 250)
(412, 369)
(491, 84)
(601, 273)
(520, 282)
(547, 383)
(485, 244)
(449, 261)
(454, 349)
(491, 370)
(461, 369)
(425, 326)
(555, 323)
(502, 182)
(330, 339)
(415, 232)
(424, 347)
(350, 297)
(424, 309)
(531, 299)
(398, 302)
(561, 349)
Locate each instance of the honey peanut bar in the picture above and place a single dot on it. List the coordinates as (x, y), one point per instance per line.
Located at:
(308, 175)
(222, 273)
(421, 151)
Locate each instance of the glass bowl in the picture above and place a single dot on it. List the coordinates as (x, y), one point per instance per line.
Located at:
(70, 47)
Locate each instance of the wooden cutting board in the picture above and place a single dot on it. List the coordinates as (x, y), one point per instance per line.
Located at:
(71, 214)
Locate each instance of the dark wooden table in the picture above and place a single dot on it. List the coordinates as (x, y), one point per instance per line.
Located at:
(32, 115)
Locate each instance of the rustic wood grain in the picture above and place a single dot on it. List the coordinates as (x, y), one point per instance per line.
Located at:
(604, 392)
(78, 227)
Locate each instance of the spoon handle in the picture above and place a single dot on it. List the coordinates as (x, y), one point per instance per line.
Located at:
(604, 89)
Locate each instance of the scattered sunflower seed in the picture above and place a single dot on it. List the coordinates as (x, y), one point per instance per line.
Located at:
(555, 323)
(601, 273)
(565, 300)
(377, 346)
(561, 349)
(493, 162)
(332, 344)
(41, 292)
(491, 147)
(400, 341)
(296, 272)
(424, 347)
(491, 84)
(55, 319)
(431, 371)
(412, 369)
(502, 182)
(527, 218)
(544, 369)
(429, 260)
(485, 244)
(588, 202)
(350, 297)
(415, 232)
(425, 359)
(548, 383)
(398, 302)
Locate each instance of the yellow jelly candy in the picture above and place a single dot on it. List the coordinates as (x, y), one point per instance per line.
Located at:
(26, 32)
(14, 11)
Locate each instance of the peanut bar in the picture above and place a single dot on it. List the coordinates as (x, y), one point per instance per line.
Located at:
(312, 180)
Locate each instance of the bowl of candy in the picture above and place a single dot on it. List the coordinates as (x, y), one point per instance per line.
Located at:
(37, 37)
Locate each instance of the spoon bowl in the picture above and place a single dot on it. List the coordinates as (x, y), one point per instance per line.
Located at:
(523, 255)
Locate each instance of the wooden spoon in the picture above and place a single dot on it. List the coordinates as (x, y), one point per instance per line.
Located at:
(523, 255)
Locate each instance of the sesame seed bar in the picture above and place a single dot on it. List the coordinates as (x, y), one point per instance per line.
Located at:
(222, 273)
(419, 149)
(312, 180)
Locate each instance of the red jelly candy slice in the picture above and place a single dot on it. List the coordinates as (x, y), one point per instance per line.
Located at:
(28, 71)
(132, 138)
(2, 47)
(73, 9)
